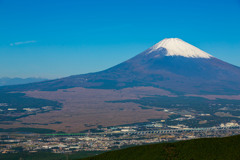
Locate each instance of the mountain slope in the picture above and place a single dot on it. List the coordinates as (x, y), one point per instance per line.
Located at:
(199, 149)
(171, 64)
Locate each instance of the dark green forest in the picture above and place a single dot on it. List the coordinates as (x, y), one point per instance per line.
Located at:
(198, 149)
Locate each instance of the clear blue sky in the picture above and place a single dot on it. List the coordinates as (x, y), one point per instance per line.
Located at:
(57, 38)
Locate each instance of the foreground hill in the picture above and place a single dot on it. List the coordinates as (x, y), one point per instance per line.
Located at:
(199, 149)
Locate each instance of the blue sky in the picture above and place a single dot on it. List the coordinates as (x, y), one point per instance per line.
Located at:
(57, 38)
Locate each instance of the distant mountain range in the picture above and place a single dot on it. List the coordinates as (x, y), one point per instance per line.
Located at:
(15, 81)
(171, 64)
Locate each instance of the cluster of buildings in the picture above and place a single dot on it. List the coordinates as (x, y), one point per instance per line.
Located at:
(111, 138)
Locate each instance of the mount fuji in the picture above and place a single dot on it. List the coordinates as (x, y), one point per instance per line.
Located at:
(171, 64)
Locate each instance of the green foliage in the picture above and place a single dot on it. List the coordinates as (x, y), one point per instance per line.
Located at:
(142, 107)
(47, 156)
(183, 102)
(196, 104)
(20, 101)
(198, 149)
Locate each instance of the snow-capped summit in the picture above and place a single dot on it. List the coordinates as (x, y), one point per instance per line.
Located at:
(177, 47)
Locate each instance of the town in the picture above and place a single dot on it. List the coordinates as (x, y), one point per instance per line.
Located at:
(110, 138)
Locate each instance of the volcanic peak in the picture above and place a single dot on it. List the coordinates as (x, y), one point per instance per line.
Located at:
(178, 47)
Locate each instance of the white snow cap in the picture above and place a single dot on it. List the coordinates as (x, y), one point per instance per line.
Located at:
(177, 47)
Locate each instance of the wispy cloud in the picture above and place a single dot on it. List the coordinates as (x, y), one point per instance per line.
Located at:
(20, 43)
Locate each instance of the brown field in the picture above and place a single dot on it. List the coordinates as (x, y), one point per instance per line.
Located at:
(87, 108)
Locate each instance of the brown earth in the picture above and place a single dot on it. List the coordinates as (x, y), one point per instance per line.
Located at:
(87, 108)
